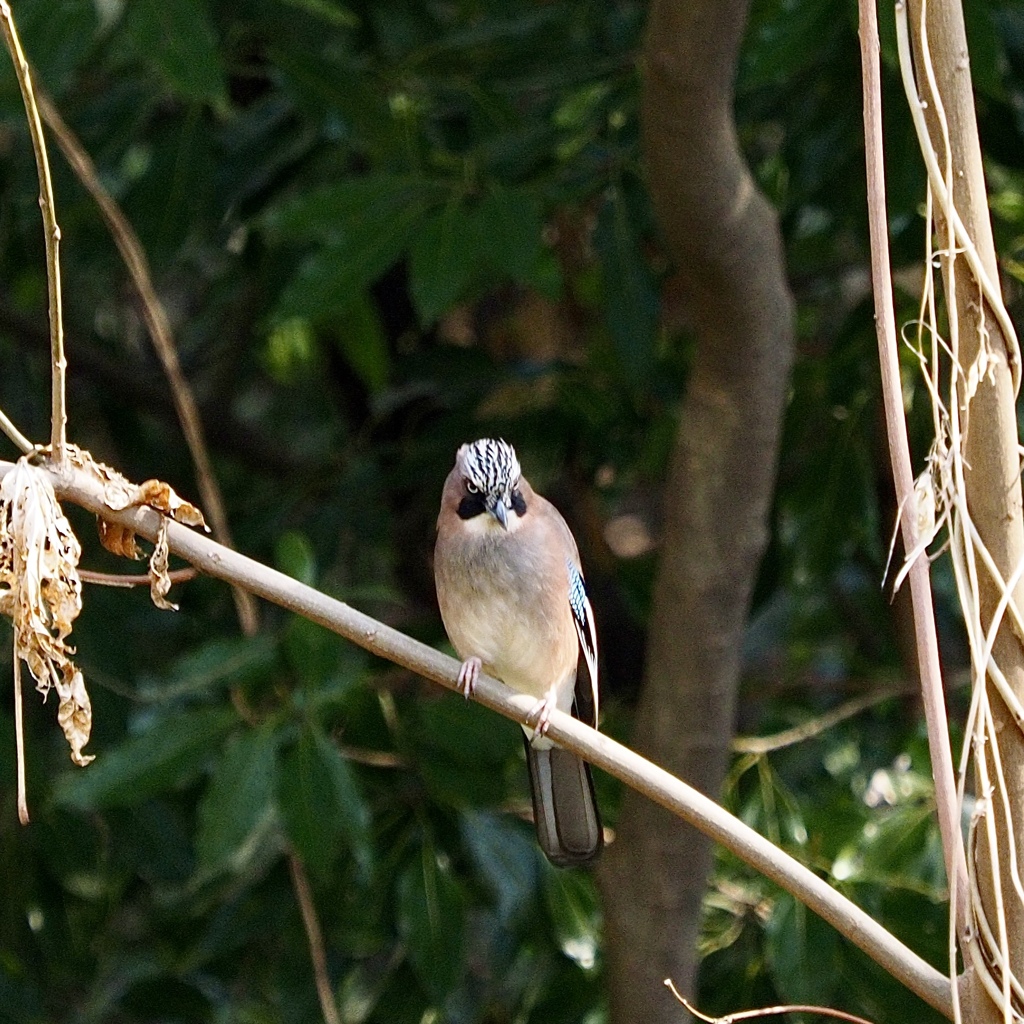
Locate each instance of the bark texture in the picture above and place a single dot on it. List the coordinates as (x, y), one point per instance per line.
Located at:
(993, 481)
(723, 238)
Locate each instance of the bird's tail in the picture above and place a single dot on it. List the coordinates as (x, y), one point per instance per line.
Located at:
(564, 807)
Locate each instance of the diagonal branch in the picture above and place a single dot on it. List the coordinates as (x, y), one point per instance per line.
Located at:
(646, 778)
(159, 328)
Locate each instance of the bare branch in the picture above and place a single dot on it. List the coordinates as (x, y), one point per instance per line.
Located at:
(19, 439)
(814, 726)
(315, 937)
(764, 1011)
(899, 451)
(106, 579)
(646, 778)
(159, 327)
(51, 233)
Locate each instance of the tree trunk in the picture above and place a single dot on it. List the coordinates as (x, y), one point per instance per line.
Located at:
(990, 452)
(723, 238)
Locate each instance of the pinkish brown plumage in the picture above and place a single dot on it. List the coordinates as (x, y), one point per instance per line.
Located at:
(511, 595)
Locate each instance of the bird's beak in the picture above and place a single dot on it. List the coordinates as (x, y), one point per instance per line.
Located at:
(500, 512)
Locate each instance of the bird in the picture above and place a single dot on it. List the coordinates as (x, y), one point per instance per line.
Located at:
(514, 605)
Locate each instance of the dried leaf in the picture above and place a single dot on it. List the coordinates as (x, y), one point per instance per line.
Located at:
(161, 496)
(120, 493)
(118, 539)
(74, 714)
(159, 578)
(41, 592)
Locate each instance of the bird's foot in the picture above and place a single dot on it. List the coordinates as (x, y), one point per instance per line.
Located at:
(468, 675)
(539, 717)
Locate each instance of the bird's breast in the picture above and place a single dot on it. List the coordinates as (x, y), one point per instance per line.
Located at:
(500, 605)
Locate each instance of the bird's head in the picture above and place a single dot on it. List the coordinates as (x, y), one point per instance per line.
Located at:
(491, 482)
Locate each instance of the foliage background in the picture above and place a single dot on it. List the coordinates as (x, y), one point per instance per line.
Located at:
(382, 229)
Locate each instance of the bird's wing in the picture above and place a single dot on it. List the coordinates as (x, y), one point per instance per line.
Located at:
(583, 619)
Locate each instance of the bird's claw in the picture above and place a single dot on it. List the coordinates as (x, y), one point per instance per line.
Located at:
(468, 675)
(539, 718)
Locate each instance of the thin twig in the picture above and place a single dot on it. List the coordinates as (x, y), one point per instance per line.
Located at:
(79, 487)
(371, 758)
(51, 234)
(817, 725)
(764, 1011)
(932, 693)
(315, 937)
(19, 439)
(107, 579)
(159, 327)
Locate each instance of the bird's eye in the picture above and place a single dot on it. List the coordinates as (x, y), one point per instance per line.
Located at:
(471, 488)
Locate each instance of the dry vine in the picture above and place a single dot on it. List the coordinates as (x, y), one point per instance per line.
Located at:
(939, 507)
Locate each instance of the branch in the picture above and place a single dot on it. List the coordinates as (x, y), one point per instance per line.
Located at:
(19, 439)
(315, 937)
(216, 560)
(760, 745)
(51, 233)
(159, 327)
(925, 636)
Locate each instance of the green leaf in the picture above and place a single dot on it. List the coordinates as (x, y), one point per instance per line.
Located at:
(572, 903)
(431, 920)
(783, 39)
(171, 753)
(295, 557)
(330, 11)
(803, 952)
(463, 244)
(444, 261)
(321, 804)
(467, 731)
(509, 225)
(506, 857)
(465, 752)
(361, 339)
(312, 650)
(330, 279)
(291, 349)
(335, 86)
(217, 663)
(178, 36)
(329, 213)
(306, 798)
(239, 798)
(631, 300)
(546, 275)
(353, 813)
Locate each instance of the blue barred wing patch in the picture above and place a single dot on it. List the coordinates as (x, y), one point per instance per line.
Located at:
(583, 619)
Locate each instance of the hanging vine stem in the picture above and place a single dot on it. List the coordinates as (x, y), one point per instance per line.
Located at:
(986, 942)
(51, 234)
(926, 641)
(944, 196)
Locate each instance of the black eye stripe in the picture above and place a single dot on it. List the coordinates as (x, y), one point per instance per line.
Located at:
(470, 506)
(518, 503)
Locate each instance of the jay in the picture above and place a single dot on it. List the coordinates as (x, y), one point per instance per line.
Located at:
(510, 589)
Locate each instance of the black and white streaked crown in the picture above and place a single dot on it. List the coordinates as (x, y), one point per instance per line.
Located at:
(491, 467)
